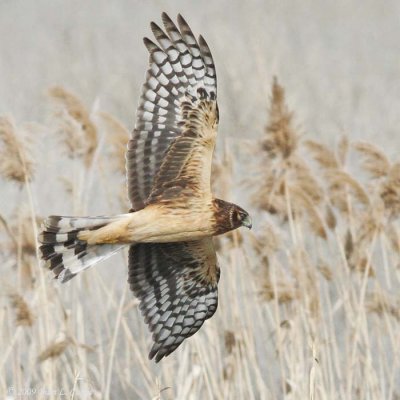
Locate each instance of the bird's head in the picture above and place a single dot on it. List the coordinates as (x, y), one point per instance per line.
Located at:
(239, 217)
(229, 216)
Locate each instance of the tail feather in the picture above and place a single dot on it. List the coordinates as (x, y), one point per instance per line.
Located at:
(64, 253)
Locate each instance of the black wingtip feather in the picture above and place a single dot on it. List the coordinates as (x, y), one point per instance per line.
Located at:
(202, 42)
(154, 27)
(181, 20)
(150, 45)
(165, 18)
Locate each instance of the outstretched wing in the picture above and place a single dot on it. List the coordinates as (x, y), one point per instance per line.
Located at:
(177, 116)
(176, 284)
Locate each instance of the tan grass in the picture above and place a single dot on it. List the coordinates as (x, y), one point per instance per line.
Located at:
(80, 133)
(330, 218)
(23, 313)
(379, 302)
(374, 161)
(322, 154)
(342, 150)
(390, 192)
(303, 202)
(340, 179)
(16, 162)
(118, 136)
(281, 138)
(54, 350)
(23, 245)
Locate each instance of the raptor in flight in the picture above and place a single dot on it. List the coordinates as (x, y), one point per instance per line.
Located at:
(173, 268)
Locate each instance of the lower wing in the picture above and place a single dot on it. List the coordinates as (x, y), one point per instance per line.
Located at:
(176, 284)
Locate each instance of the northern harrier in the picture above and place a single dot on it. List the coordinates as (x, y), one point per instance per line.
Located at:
(173, 268)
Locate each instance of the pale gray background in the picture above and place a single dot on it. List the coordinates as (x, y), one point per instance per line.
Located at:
(339, 61)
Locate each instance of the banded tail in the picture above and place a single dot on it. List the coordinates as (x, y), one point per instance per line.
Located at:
(67, 255)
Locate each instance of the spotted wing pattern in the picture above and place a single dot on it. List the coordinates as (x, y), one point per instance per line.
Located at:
(181, 77)
(176, 284)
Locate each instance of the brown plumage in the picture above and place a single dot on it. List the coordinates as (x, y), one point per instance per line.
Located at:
(173, 268)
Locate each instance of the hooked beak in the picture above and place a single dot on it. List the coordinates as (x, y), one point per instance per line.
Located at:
(247, 222)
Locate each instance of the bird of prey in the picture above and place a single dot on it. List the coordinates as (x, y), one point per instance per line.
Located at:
(173, 268)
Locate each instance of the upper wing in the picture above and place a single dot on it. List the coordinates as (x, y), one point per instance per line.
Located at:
(176, 284)
(178, 102)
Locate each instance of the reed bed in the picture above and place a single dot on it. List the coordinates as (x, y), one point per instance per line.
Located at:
(309, 300)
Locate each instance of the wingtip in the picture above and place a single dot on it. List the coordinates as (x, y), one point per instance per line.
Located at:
(151, 355)
(153, 26)
(181, 20)
(157, 31)
(165, 16)
(202, 42)
(150, 45)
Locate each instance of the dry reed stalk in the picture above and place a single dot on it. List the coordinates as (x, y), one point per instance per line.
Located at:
(54, 350)
(325, 270)
(356, 250)
(307, 283)
(338, 198)
(281, 139)
(282, 292)
(325, 157)
(374, 161)
(281, 289)
(270, 197)
(370, 223)
(16, 165)
(233, 239)
(379, 302)
(339, 179)
(23, 313)
(390, 192)
(230, 341)
(79, 132)
(68, 185)
(24, 231)
(348, 244)
(298, 179)
(330, 218)
(393, 235)
(16, 162)
(23, 245)
(285, 170)
(265, 245)
(301, 202)
(342, 150)
(8, 230)
(118, 136)
(358, 262)
(230, 344)
(268, 242)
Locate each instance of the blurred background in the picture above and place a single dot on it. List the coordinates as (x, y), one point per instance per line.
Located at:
(338, 60)
(338, 64)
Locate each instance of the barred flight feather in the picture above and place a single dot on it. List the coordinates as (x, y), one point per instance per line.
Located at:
(181, 74)
(176, 296)
(65, 254)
